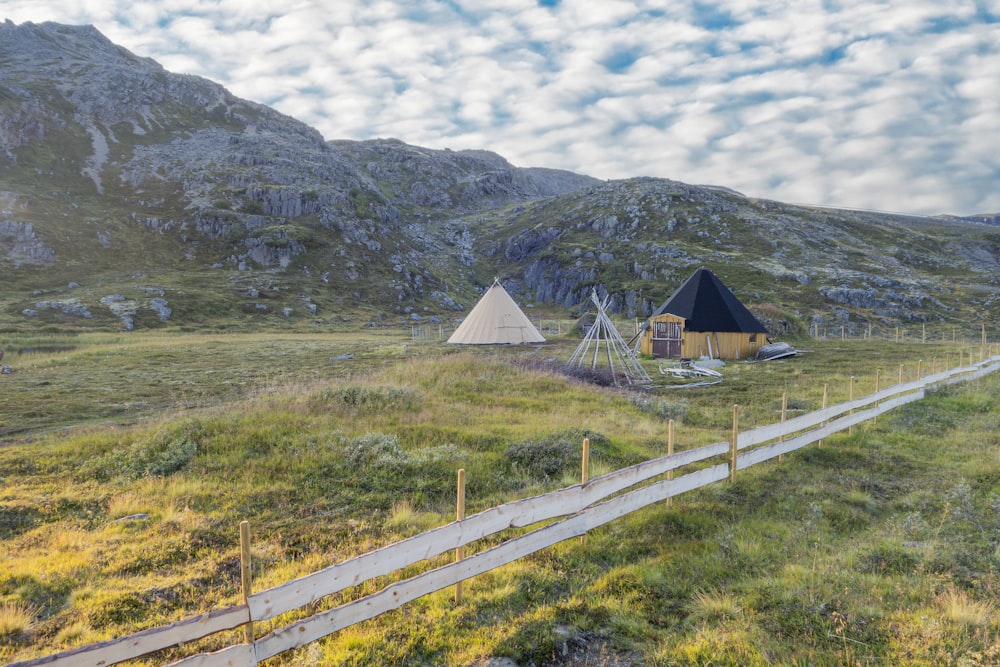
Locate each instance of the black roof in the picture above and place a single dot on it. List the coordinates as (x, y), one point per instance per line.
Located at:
(708, 305)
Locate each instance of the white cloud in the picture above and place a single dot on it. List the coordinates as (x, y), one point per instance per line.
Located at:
(852, 103)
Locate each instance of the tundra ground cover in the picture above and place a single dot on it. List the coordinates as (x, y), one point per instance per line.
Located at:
(879, 547)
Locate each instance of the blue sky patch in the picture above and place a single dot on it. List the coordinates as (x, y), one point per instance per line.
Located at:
(619, 61)
(712, 17)
(834, 55)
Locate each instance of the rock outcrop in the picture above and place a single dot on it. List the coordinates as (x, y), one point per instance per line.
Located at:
(114, 166)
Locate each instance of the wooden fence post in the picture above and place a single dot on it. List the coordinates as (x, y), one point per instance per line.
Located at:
(245, 575)
(826, 396)
(878, 382)
(850, 397)
(670, 450)
(733, 445)
(584, 467)
(900, 381)
(460, 515)
(784, 415)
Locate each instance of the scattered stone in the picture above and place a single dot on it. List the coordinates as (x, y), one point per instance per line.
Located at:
(71, 307)
(160, 306)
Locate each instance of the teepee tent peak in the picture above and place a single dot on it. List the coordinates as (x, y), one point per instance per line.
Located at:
(496, 320)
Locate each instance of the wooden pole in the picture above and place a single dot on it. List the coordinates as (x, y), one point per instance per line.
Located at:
(878, 382)
(584, 467)
(923, 333)
(784, 415)
(670, 450)
(826, 396)
(733, 446)
(920, 369)
(459, 516)
(850, 397)
(900, 374)
(245, 575)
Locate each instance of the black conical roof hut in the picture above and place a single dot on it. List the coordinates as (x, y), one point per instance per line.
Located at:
(708, 305)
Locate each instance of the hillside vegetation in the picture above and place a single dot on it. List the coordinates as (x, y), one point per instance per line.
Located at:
(135, 198)
(880, 547)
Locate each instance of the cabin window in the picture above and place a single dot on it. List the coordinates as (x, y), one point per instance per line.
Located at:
(753, 338)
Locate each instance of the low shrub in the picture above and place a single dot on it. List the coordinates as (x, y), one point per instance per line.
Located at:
(661, 408)
(887, 558)
(548, 458)
(371, 399)
(158, 457)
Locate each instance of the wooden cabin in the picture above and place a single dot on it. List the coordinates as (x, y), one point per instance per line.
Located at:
(703, 318)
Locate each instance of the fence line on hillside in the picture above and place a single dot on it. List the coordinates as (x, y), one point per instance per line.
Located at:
(900, 333)
(586, 506)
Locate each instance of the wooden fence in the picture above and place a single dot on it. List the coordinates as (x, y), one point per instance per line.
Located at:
(905, 333)
(578, 508)
(900, 333)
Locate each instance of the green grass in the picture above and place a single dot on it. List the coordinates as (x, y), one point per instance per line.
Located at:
(881, 547)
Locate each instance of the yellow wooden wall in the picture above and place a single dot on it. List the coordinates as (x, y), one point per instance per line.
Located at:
(725, 345)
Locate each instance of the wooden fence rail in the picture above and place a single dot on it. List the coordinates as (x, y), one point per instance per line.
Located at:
(585, 506)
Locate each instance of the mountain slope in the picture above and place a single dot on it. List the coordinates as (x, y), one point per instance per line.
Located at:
(133, 197)
(846, 267)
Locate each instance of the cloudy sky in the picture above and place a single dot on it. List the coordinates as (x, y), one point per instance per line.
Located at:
(891, 106)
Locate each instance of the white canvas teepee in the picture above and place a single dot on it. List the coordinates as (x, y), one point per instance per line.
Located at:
(608, 346)
(496, 320)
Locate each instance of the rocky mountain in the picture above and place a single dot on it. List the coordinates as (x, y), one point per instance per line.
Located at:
(134, 197)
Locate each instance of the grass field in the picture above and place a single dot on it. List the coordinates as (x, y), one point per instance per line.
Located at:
(129, 460)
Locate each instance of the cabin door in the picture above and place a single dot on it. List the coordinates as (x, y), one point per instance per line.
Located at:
(667, 339)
